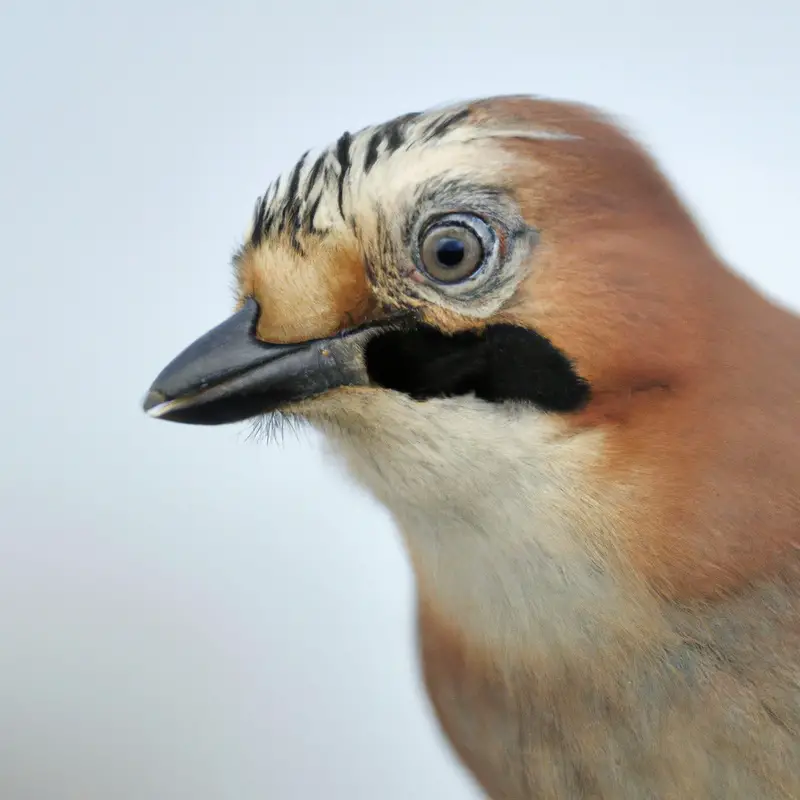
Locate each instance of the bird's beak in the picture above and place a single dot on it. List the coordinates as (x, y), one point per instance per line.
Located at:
(229, 375)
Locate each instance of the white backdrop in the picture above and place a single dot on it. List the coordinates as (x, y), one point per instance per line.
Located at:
(184, 613)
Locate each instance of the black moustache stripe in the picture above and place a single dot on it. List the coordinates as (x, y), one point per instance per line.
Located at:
(502, 363)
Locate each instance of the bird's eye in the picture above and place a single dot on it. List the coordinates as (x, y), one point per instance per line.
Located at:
(454, 249)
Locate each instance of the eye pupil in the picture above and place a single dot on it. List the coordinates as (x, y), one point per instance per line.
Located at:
(450, 252)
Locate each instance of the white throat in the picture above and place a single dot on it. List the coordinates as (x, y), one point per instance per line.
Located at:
(495, 511)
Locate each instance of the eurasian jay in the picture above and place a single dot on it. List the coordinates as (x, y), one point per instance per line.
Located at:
(586, 426)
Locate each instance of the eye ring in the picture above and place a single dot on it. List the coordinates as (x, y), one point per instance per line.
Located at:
(454, 248)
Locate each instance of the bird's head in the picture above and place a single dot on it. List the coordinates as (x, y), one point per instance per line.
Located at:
(499, 286)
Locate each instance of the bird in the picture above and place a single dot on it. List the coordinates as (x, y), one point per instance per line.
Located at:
(510, 329)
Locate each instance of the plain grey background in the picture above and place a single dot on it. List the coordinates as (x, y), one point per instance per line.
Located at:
(185, 613)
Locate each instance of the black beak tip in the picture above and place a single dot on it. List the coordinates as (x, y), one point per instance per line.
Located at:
(153, 399)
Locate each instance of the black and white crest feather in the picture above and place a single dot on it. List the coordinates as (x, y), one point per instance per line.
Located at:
(293, 204)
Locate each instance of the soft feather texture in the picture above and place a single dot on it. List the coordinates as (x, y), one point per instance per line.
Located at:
(609, 599)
